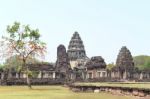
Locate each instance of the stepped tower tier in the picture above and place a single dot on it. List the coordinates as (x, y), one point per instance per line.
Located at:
(76, 48)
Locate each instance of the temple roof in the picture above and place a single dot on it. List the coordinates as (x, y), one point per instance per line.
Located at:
(96, 62)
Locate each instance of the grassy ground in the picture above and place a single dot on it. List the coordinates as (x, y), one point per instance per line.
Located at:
(145, 85)
(51, 92)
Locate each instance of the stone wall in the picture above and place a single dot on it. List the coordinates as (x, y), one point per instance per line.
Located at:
(138, 92)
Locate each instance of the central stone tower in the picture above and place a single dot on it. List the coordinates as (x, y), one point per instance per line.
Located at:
(76, 52)
(76, 48)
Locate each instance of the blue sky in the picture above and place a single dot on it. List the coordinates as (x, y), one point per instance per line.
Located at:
(104, 25)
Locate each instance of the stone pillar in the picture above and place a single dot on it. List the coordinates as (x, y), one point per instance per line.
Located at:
(45, 74)
(2, 75)
(147, 75)
(54, 75)
(125, 75)
(106, 74)
(82, 75)
(92, 74)
(40, 74)
(141, 76)
(101, 74)
(17, 75)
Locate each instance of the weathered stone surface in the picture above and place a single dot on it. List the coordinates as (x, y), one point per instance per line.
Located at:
(147, 97)
(142, 94)
(127, 92)
(96, 91)
(118, 91)
(124, 65)
(96, 62)
(102, 89)
(135, 92)
(124, 59)
(76, 48)
(107, 89)
(62, 63)
(76, 89)
(89, 90)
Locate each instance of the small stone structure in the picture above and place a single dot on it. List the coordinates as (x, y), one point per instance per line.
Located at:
(96, 68)
(124, 65)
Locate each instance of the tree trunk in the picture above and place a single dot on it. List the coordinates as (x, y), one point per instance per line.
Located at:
(28, 77)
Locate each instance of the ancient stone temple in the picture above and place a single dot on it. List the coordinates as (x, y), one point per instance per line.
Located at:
(62, 64)
(96, 68)
(124, 64)
(74, 66)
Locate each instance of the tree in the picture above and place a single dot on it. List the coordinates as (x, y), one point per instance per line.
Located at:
(110, 66)
(15, 63)
(1, 66)
(142, 61)
(24, 42)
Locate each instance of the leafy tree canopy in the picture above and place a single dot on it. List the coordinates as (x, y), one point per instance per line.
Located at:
(23, 41)
(142, 61)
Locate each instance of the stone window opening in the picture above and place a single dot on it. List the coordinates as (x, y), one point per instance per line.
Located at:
(90, 75)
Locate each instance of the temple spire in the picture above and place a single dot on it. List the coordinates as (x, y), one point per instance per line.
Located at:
(125, 59)
(76, 48)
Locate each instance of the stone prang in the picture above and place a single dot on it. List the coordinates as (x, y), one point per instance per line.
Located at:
(76, 48)
(124, 60)
(62, 63)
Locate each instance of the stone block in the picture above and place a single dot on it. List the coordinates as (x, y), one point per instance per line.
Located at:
(96, 91)
(142, 94)
(135, 93)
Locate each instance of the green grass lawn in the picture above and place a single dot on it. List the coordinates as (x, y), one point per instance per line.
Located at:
(145, 85)
(51, 92)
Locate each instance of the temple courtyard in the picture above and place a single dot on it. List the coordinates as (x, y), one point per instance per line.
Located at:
(52, 92)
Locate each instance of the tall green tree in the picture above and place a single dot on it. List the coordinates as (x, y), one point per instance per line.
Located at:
(142, 61)
(24, 42)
